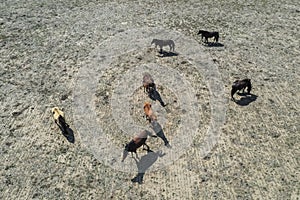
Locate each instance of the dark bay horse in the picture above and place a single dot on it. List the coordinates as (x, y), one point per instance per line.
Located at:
(241, 85)
(137, 141)
(206, 35)
(148, 83)
(150, 88)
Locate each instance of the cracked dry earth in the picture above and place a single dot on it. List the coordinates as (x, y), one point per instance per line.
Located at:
(45, 43)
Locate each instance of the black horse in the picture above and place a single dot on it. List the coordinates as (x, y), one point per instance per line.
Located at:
(241, 85)
(206, 35)
(137, 141)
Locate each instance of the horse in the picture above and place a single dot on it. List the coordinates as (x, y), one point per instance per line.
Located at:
(137, 141)
(162, 43)
(59, 119)
(148, 83)
(207, 35)
(149, 112)
(241, 85)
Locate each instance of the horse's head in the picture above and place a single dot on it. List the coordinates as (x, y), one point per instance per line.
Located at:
(125, 152)
(56, 112)
(200, 32)
(147, 106)
(153, 41)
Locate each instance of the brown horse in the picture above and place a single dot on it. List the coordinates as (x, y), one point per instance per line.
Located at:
(137, 141)
(148, 83)
(150, 89)
(206, 35)
(149, 112)
(241, 85)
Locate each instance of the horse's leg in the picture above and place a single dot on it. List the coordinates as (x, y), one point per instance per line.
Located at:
(136, 155)
(146, 146)
(233, 90)
(206, 39)
(248, 90)
(244, 89)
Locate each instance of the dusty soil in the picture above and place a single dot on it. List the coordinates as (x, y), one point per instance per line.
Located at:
(45, 43)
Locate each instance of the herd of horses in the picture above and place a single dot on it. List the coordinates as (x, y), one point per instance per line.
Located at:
(150, 89)
(141, 138)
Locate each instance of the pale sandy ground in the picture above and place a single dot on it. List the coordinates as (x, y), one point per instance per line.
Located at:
(44, 44)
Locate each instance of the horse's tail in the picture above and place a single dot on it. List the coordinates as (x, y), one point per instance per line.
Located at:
(200, 32)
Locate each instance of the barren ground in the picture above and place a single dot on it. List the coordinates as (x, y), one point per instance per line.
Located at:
(45, 43)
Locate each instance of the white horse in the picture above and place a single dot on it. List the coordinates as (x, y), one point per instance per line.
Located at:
(162, 43)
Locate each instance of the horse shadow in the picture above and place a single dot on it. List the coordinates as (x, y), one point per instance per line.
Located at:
(144, 163)
(159, 132)
(68, 133)
(246, 99)
(167, 54)
(155, 96)
(214, 44)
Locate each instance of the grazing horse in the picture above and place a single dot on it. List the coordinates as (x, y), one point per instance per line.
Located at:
(162, 43)
(241, 85)
(206, 35)
(59, 118)
(148, 83)
(137, 141)
(149, 112)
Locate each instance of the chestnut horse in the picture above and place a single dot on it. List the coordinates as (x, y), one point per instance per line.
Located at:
(241, 85)
(149, 112)
(207, 35)
(137, 141)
